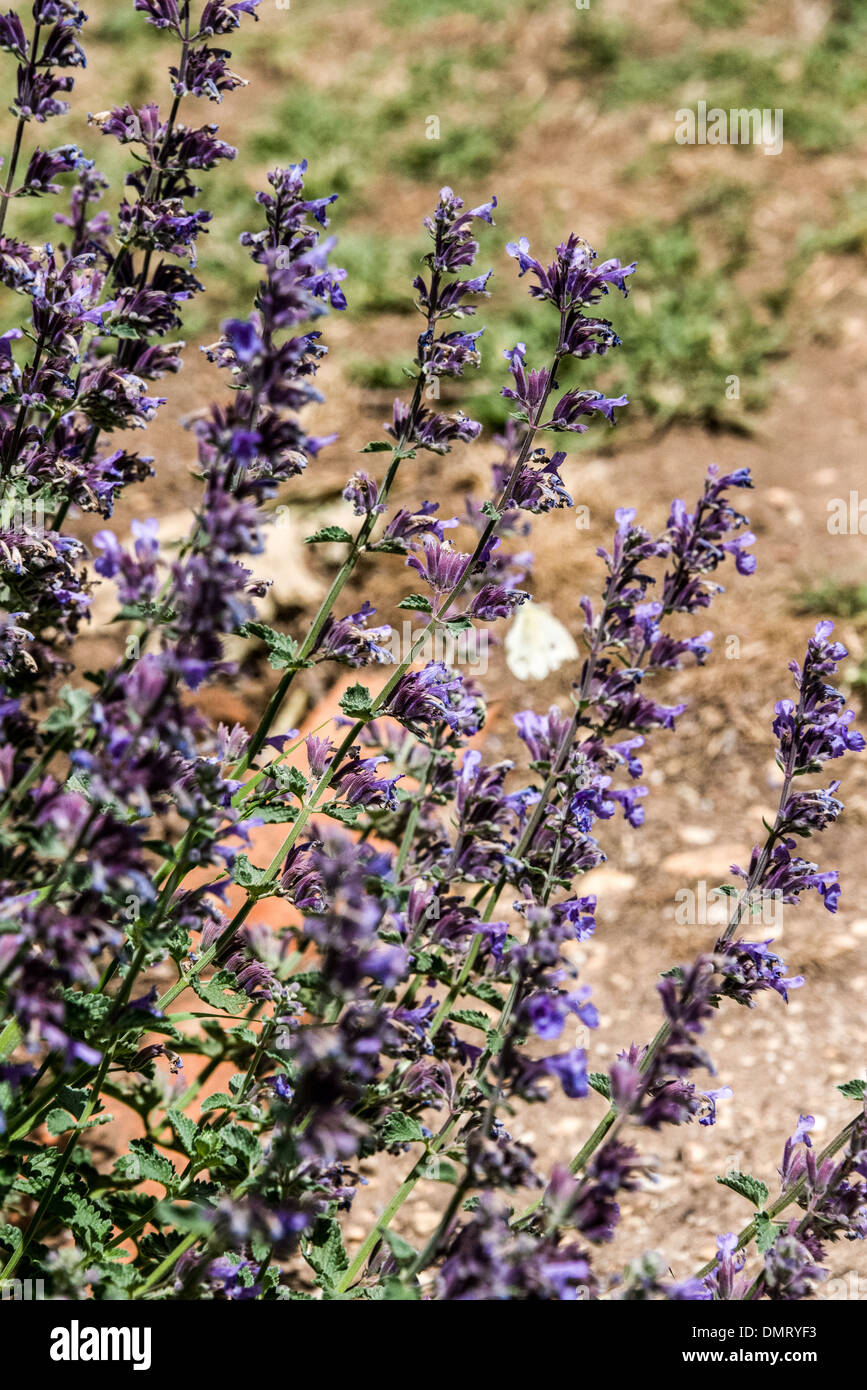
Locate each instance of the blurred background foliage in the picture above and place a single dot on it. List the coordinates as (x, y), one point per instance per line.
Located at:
(569, 115)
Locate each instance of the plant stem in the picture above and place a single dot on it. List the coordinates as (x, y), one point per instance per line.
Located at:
(375, 1235)
(59, 1170)
(790, 1195)
(6, 193)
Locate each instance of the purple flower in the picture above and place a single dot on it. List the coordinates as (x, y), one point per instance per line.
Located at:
(351, 642)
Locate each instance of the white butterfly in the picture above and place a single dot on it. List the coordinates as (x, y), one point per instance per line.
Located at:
(537, 643)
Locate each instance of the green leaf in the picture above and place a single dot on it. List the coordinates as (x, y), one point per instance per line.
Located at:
(221, 990)
(347, 814)
(73, 1099)
(439, 1170)
(329, 533)
(401, 1129)
(728, 890)
(275, 815)
(87, 1220)
(600, 1082)
(853, 1089)
(675, 973)
(58, 1121)
(63, 1117)
(248, 875)
(484, 990)
(473, 1018)
(492, 512)
(185, 1130)
(220, 1100)
(767, 1231)
(752, 1188)
(69, 713)
(144, 1163)
(207, 1145)
(282, 649)
(10, 1236)
(357, 701)
(289, 779)
(324, 1252)
(417, 603)
(241, 1142)
(379, 446)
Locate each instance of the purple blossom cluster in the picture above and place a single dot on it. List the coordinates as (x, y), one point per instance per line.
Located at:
(413, 976)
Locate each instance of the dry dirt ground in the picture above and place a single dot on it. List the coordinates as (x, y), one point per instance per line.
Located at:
(711, 784)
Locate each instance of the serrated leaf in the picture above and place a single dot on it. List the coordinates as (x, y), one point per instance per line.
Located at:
(276, 814)
(241, 1142)
(220, 1100)
(249, 875)
(767, 1231)
(473, 1018)
(10, 1236)
(398, 1128)
(347, 814)
(484, 990)
(58, 1121)
(89, 1223)
(853, 1089)
(207, 1145)
(289, 779)
(74, 1099)
(185, 1130)
(356, 702)
(144, 1163)
(417, 603)
(221, 991)
(329, 533)
(747, 1186)
(282, 649)
(600, 1083)
(324, 1252)
(378, 446)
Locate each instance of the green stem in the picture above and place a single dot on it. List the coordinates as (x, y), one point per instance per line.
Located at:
(59, 1170)
(403, 1192)
(168, 1263)
(790, 1195)
(19, 132)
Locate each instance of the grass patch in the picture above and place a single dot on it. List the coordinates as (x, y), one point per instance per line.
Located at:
(831, 598)
(411, 13)
(819, 86)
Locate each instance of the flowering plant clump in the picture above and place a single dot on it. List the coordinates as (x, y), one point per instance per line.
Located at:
(417, 976)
